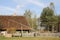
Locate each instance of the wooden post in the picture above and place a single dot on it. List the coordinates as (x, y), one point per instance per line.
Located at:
(21, 31)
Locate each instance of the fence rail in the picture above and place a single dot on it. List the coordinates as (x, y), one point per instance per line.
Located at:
(32, 34)
(49, 34)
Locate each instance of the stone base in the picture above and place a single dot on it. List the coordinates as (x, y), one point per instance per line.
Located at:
(8, 35)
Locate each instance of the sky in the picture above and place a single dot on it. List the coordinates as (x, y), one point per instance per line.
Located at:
(9, 7)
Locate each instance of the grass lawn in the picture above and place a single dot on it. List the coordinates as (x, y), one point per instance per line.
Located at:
(29, 38)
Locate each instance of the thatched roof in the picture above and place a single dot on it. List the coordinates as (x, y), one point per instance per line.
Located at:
(18, 22)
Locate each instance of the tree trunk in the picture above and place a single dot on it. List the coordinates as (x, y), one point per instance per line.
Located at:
(48, 28)
(53, 28)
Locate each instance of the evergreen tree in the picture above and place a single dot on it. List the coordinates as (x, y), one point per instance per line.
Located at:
(48, 18)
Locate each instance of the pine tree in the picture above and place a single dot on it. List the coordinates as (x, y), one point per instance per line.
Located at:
(48, 18)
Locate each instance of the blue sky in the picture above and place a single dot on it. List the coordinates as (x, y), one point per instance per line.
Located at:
(9, 7)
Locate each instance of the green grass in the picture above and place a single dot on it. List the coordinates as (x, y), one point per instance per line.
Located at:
(29, 38)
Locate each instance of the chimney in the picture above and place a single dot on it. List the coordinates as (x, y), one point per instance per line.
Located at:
(14, 14)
